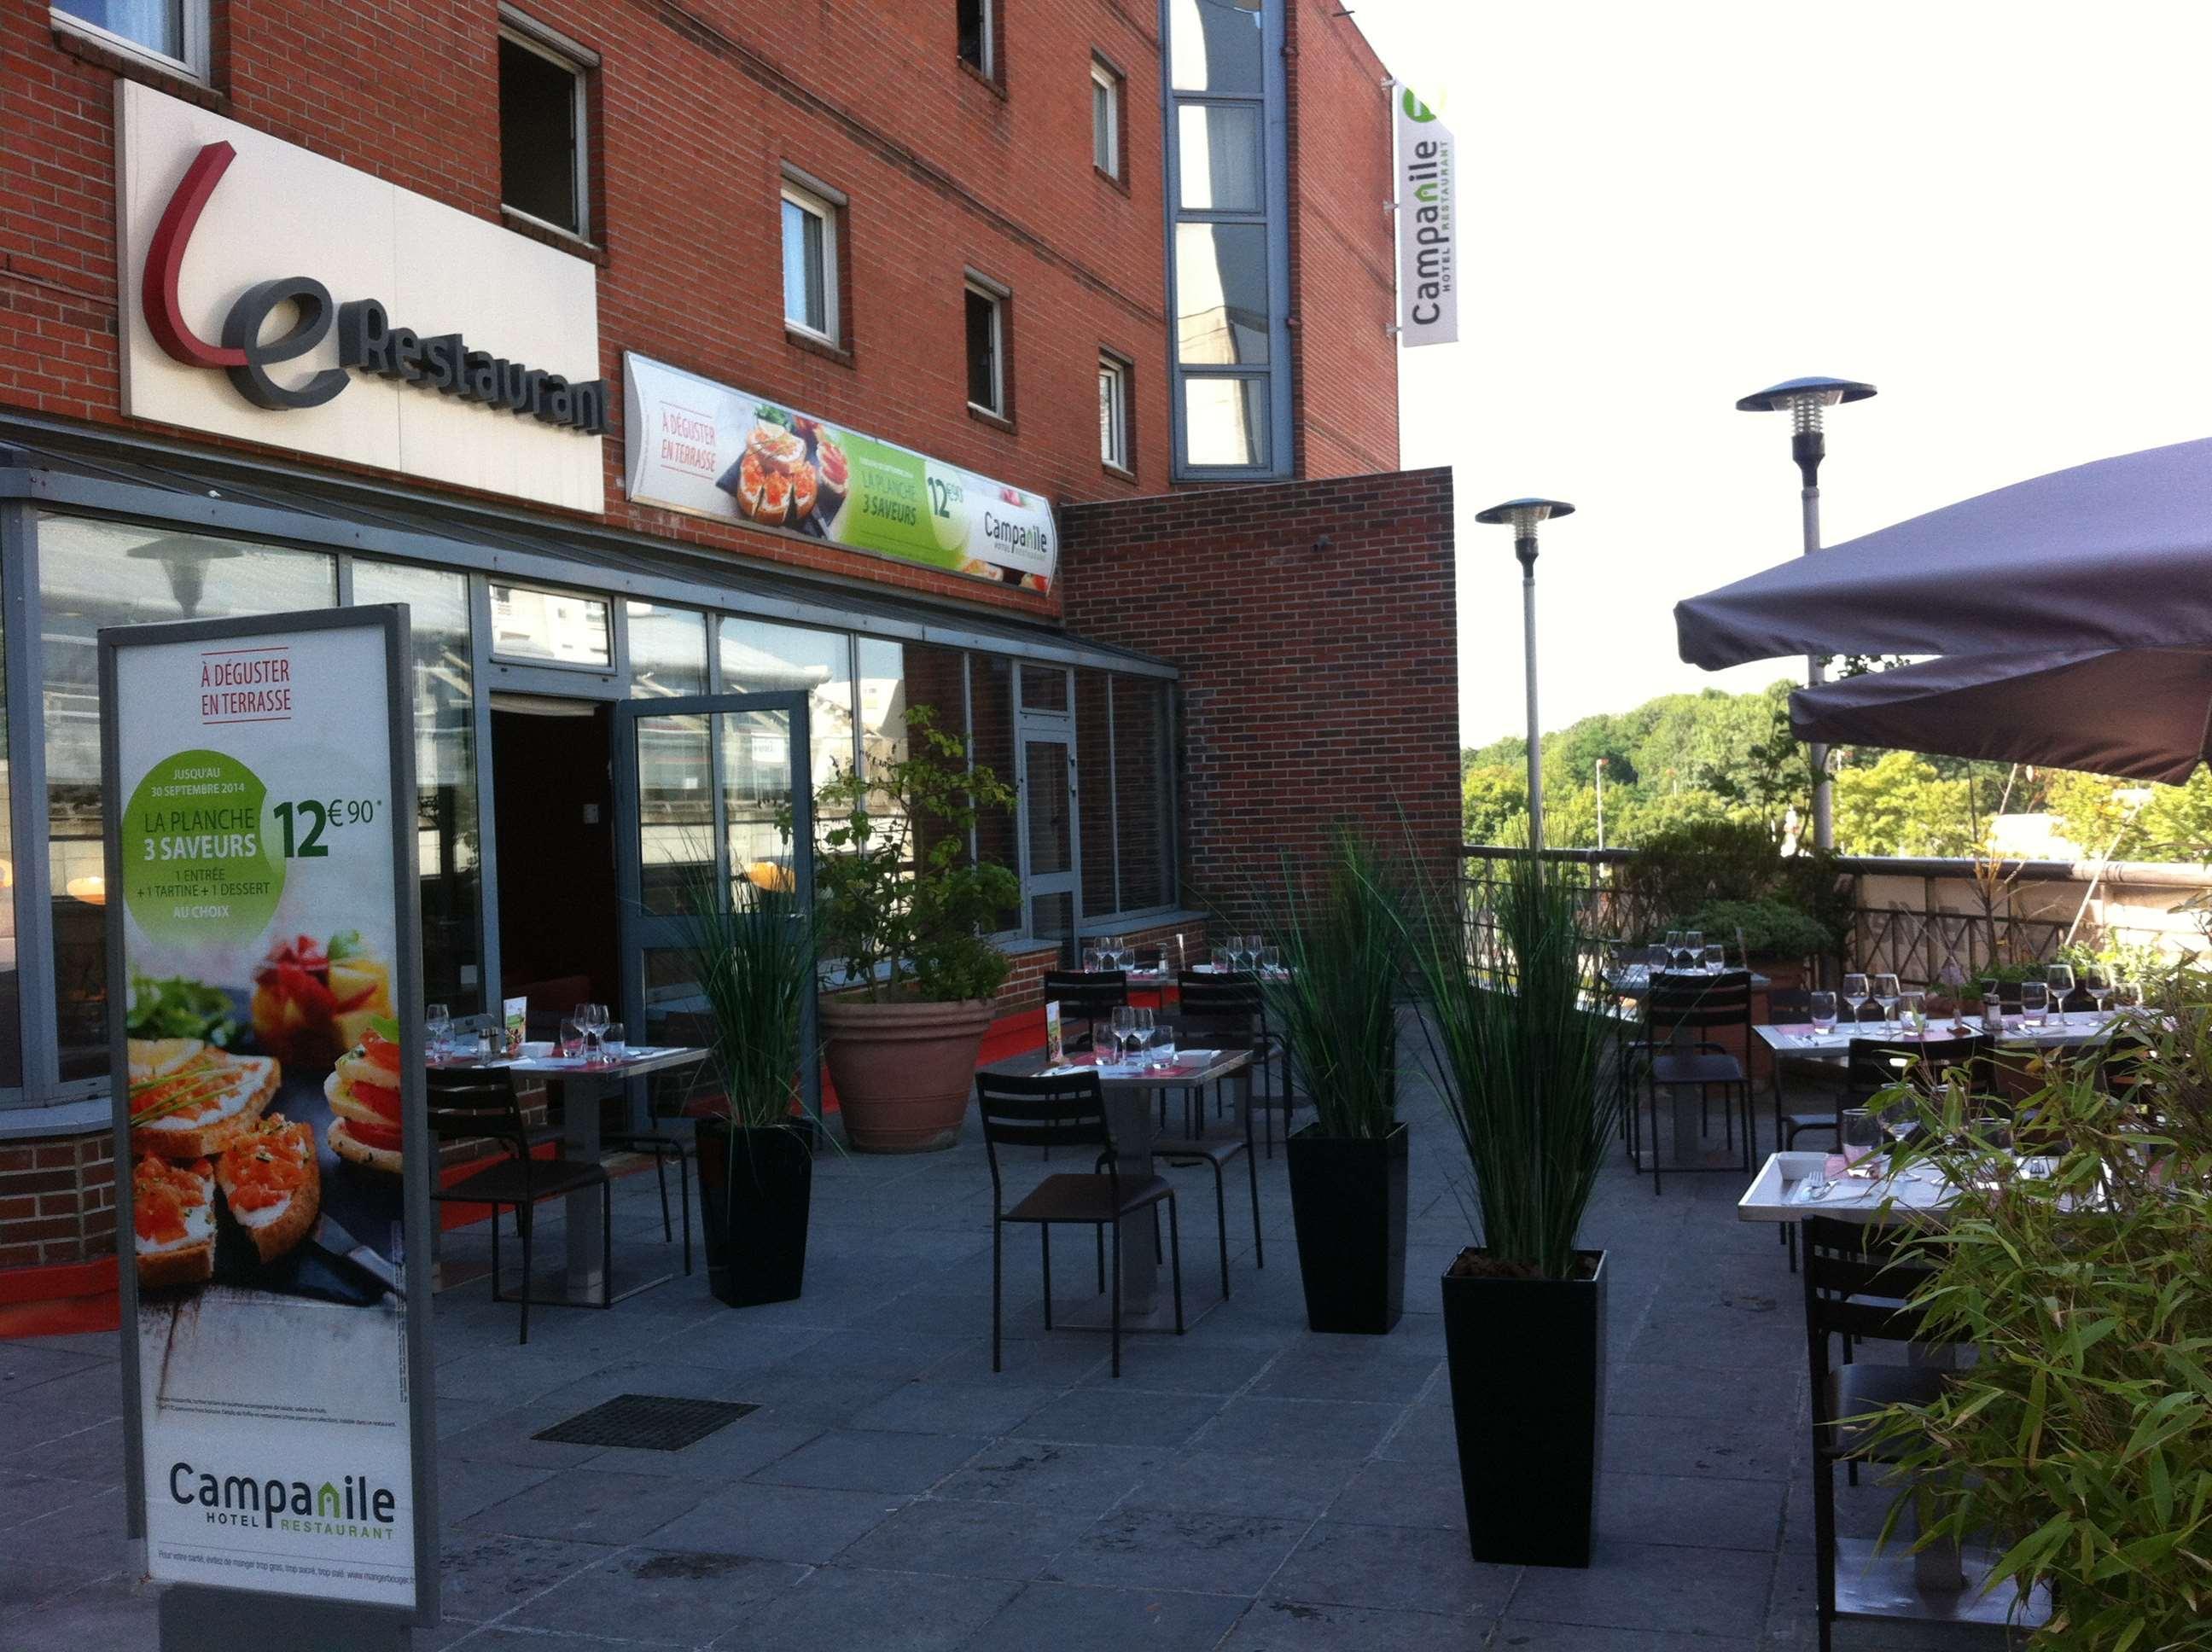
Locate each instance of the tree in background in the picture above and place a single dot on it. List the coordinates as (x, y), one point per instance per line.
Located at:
(1900, 804)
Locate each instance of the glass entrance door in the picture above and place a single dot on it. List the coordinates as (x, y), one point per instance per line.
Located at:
(715, 794)
(1050, 846)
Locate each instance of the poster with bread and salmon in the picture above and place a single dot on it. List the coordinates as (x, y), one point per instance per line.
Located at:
(260, 799)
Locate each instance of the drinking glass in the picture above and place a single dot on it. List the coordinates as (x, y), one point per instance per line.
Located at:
(1141, 1029)
(1673, 947)
(1899, 1117)
(1992, 1007)
(1093, 961)
(613, 1045)
(1861, 1135)
(2034, 1003)
(2099, 981)
(1913, 1012)
(1124, 1027)
(1271, 960)
(1885, 994)
(1824, 1011)
(1855, 994)
(572, 1037)
(1218, 957)
(1715, 959)
(437, 1028)
(2060, 979)
(1994, 1135)
(2127, 996)
(1247, 954)
(1693, 947)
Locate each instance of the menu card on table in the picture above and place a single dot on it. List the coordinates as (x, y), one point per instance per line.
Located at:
(1054, 1047)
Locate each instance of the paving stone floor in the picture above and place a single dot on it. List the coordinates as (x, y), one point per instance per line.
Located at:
(1251, 1487)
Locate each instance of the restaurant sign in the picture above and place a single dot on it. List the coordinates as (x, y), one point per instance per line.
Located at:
(1428, 228)
(272, 1178)
(713, 450)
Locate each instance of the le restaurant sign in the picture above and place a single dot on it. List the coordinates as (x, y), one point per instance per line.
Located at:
(454, 348)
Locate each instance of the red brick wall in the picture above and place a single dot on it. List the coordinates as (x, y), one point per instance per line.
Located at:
(1314, 623)
(696, 108)
(57, 1201)
(1343, 289)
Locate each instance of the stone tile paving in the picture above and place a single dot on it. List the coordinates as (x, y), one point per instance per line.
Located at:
(1250, 1486)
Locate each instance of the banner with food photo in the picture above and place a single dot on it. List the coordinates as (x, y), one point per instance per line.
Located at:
(711, 449)
(260, 805)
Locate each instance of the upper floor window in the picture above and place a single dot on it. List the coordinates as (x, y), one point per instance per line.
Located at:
(543, 112)
(173, 34)
(1114, 412)
(986, 349)
(810, 263)
(978, 50)
(1105, 119)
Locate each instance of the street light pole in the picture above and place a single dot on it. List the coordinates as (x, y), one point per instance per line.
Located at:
(1600, 803)
(1523, 515)
(1805, 400)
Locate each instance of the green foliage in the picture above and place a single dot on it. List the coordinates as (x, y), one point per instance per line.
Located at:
(753, 956)
(1492, 797)
(2082, 1433)
(1769, 928)
(1342, 940)
(1901, 806)
(898, 891)
(1691, 866)
(1521, 1063)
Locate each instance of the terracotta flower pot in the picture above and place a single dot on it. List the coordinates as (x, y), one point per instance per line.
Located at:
(903, 1072)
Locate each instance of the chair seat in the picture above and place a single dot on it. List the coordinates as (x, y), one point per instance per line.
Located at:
(1191, 1149)
(1071, 1198)
(1696, 1070)
(502, 1183)
(1854, 1390)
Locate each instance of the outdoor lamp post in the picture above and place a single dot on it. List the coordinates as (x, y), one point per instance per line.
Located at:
(1524, 515)
(1804, 400)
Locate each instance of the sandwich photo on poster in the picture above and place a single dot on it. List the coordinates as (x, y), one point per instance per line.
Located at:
(262, 1056)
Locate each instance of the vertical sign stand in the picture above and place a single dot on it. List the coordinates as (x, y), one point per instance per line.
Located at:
(273, 1162)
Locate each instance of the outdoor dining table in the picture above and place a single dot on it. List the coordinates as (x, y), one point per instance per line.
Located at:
(1129, 1090)
(1803, 1039)
(585, 1084)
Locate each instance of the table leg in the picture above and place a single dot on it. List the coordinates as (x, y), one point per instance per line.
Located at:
(1939, 1568)
(580, 1108)
(1129, 1113)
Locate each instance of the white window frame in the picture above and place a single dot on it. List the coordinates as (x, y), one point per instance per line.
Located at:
(988, 20)
(997, 296)
(1114, 444)
(825, 210)
(193, 64)
(564, 53)
(1103, 78)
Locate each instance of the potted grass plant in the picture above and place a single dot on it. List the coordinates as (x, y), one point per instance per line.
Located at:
(1520, 1053)
(905, 911)
(1337, 1008)
(752, 957)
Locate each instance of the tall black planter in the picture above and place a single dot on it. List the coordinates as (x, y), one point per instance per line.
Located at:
(1528, 1389)
(754, 1188)
(1348, 1203)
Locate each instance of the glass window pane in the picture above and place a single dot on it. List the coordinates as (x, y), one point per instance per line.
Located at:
(11, 1035)
(537, 136)
(1217, 156)
(935, 678)
(991, 689)
(1044, 688)
(1103, 149)
(556, 625)
(1048, 816)
(1215, 45)
(157, 25)
(667, 649)
(983, 382)
(757, 782)
(1051, 917)
(1225, 421)
(1221, 294)
(1094, 791)
(94, 574)
(674, 812)
(1142, 752)
(445, 819)
(761, 658)
(806, 292)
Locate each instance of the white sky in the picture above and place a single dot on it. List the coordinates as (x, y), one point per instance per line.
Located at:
(1995, 214)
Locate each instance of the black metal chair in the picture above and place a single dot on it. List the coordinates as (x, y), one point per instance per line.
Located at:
(1090, 996)
(1680, 1004)
(1231, 1012)
(1859, 1280)
(1068, 1110)
(1793, 1005)
(1202, 1146)
(668, 1092)
(478, 1105)
(1875, 1062)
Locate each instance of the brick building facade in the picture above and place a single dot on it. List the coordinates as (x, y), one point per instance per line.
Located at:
(1172, 219)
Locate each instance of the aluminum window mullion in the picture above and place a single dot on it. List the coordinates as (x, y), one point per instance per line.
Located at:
(36, 1003)
(1114, 787)
(480, 672)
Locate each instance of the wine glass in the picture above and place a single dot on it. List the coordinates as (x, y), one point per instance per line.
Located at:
(1141, 1029)
(437, 1028)
(2034, 1003)
(1855, 994)
(1093, 961)
(2060, 978)
(1885, 994)
(1860, 1135)
(1124, 1028)
(1823, 1008)
(1673, 948)
(1693, 947)
(1899, 1117)
(2099, 981)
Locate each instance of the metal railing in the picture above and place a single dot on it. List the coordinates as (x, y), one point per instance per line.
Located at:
(1919, 918)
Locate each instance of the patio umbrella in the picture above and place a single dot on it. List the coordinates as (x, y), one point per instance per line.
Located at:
(2072, 613)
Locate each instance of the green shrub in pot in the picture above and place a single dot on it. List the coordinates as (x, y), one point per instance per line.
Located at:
(1769, 928)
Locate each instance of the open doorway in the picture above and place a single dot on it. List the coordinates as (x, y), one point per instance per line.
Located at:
(559, 913)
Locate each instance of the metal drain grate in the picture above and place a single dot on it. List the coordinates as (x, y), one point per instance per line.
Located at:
(646, 1422)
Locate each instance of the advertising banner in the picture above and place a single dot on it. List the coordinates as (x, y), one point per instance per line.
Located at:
(262, 944)
(1428, 226)
(713, 450)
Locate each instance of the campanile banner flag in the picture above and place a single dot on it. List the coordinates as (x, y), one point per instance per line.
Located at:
(1428, 226)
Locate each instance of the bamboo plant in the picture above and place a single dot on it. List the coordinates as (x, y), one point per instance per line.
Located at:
(1520, 1048)
(752, 952)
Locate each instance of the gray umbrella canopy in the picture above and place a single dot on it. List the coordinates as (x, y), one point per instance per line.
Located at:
(2073, 614)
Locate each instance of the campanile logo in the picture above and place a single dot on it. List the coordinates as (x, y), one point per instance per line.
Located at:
(367, 339)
